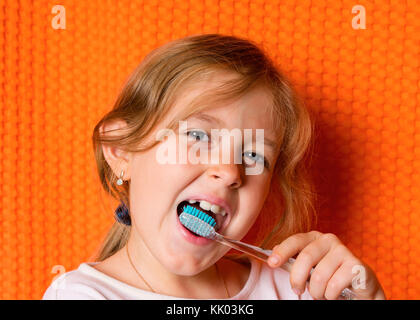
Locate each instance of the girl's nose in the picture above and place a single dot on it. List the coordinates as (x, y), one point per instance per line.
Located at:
(228, 174)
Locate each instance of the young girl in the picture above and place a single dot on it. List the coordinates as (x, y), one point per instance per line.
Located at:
(210, 82)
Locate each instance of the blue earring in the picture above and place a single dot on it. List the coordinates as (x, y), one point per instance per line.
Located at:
(122, 215)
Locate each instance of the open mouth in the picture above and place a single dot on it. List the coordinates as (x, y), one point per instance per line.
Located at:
(219, 217)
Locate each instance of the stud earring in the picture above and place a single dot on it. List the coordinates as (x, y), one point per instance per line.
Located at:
(120, 181)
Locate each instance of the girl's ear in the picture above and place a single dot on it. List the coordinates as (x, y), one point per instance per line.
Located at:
(117, 159)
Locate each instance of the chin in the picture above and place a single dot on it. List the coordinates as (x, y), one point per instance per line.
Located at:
(185, 266)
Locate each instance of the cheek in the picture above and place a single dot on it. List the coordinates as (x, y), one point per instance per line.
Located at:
(251, 201)
(154, 187)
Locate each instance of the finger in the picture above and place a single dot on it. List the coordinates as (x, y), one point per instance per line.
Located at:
(323, 272)
(290, 247)
(341, 279)
(309, 257)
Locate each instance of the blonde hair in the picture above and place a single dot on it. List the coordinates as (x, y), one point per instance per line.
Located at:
(152, 89)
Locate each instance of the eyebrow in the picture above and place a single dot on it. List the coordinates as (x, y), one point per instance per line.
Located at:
(208, 118)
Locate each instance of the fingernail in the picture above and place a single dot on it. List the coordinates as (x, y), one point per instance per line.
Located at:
(274, 260)
(297, 291)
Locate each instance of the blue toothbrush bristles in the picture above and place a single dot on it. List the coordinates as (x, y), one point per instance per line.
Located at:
(198, 222)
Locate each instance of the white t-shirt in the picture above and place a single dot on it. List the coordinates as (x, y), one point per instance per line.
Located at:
(88, 283)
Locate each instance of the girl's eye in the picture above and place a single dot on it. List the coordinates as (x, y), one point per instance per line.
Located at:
(255, 158)
(198, 135)
(250, 157)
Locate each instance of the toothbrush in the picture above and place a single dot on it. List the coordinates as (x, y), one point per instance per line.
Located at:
(202, 224)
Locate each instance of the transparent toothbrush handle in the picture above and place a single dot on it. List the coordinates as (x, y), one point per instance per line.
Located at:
(254, 251)
(263, 255)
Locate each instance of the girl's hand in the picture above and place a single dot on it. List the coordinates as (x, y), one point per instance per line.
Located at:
(335, 267)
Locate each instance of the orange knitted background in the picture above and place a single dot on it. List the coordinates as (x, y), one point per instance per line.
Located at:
(55, 84)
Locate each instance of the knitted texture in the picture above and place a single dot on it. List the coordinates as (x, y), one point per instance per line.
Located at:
(55, 84)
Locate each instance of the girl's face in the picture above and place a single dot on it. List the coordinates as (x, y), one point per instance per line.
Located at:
(156, 190)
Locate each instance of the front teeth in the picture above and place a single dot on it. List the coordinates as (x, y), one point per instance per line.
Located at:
(205, 205)
(215, 208)
(208, 206)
